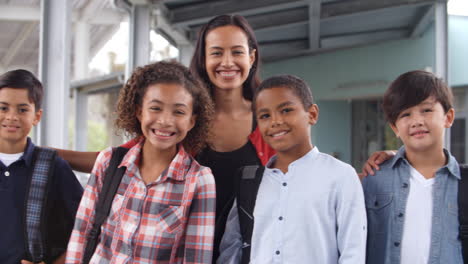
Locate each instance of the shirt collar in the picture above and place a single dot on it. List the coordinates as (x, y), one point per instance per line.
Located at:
(452, 164)
(400, 155)
(177, 170)
(28, 152)
(311, 154)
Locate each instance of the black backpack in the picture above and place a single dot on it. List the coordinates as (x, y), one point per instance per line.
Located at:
(112, 178)
(248, 181)
(38, 242)
(463, 210)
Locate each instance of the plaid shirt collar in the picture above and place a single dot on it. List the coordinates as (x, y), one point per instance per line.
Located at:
(177, 169)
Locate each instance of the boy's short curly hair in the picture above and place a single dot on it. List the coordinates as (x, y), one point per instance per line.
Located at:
(298, 86)
(170, 72)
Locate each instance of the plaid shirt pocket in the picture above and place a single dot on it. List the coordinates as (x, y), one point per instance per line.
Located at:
(167, 218)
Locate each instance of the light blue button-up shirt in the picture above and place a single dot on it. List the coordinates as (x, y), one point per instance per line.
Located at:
(314, 213)
(386, 196)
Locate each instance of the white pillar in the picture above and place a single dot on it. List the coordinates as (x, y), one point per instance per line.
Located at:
(54, 71)
(139, 41)
(441, 40)
(82, 49)
(81, 60)
(441, 49)
(81, 120)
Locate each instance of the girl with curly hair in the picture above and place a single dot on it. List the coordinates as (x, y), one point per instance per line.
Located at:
(164, 208)
(227, 61)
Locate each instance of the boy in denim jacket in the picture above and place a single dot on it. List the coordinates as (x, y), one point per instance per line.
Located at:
(411, 202)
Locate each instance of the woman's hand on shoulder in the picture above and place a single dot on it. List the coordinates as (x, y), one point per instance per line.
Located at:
(374, 161)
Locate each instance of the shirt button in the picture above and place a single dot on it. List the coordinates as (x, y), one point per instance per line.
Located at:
(277, 252)
(396, 244)
(261, 153)
(405, 185)
(400, 215)
(280, 218)
(7, 173)
(285, 184)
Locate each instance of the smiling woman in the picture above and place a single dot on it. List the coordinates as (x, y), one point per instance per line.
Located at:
(227, 59)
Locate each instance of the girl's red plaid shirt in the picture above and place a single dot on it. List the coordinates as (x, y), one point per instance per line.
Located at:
(168, 221)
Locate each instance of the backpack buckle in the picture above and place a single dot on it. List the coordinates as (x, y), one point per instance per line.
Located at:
(463, 232)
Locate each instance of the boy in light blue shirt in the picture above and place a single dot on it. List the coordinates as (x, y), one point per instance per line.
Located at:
(309, 207)
(411, 201)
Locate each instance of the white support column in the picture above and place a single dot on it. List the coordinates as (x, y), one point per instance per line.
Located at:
(441, 49)
(441, 40)
(185, 54)
(82, 49)
(139, 41)
(81, 60)
(81, 120)
(54, 71)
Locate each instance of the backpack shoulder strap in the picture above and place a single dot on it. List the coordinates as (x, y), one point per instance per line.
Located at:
(112, 178)
(249, 179)
(35, 202)
(463, 210)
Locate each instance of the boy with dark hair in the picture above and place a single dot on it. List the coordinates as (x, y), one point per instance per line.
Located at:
(39, 194)
(304, 206)
(411, 201)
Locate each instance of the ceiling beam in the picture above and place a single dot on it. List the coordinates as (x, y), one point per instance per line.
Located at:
(162, 25)
(354, 7)
(264, 21)
(90, 10)
(332, 44)
(103, 18)
(201, 13)
(17, 44)
(19, 13)
(270, 49)
(291, 12)
(26, 13)
(282, 17)
(423, 23)
(363, 38)
(283, 32)
(314, 24)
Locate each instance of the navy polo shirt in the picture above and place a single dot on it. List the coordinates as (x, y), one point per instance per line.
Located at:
(13, 184)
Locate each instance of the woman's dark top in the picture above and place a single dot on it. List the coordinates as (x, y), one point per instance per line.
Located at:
(224, 166)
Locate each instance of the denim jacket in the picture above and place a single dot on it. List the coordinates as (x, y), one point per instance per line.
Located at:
(386, 196)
